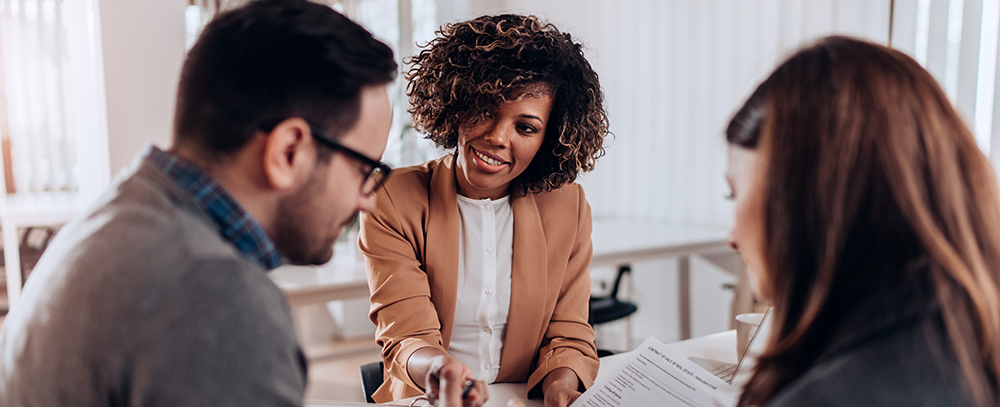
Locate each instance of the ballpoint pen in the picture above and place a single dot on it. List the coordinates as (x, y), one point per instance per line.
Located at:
(467, 388)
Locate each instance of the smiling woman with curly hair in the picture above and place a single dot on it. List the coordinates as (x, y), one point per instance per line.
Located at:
(478, 262)
(474, 67)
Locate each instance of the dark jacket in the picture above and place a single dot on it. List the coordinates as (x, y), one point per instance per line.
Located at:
(896, 356)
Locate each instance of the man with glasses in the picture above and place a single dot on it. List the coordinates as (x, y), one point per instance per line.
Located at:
(158, 294)
(374, 171)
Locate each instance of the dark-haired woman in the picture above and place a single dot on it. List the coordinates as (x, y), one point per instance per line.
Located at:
(478, 261)
(867, 215)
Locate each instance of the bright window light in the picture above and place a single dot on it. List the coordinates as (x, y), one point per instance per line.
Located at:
(192, 25)
(986, 82)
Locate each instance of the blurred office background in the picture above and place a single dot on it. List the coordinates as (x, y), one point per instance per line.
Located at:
(85, 84)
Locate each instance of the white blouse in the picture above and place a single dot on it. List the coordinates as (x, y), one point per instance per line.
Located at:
(485, 249)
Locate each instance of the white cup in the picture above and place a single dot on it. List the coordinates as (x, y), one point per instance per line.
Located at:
(746, 326)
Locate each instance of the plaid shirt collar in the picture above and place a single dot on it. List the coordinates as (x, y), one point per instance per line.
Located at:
(235, 224)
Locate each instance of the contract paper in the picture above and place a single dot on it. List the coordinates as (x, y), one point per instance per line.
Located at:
(653, 375)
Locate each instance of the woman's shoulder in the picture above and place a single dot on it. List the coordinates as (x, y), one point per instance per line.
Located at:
(562, 206)
(569, 193)
(415, 178)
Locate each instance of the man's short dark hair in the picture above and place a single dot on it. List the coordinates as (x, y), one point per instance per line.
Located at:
(257, 65)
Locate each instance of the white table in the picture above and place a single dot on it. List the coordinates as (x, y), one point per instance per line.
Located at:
(499, 394)
(336, 280)
(25, 209)
(718, 346)
(621, 242)
(343, 278)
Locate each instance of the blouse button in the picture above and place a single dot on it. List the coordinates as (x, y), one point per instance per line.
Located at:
(489, 291)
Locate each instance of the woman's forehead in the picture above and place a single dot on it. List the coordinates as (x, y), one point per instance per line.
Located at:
(534, 89)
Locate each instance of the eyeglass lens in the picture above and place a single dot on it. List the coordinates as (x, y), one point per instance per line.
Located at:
(373, 180)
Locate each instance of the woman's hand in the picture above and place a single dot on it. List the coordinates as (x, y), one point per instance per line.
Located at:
(560, 387)
(446, 383)
(447, 388)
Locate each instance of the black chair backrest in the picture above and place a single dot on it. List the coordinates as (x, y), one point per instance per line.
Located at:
(618, 279)
(610, 308)
(371, 379)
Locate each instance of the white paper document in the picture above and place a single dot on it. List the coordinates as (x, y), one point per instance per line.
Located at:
(654, 375)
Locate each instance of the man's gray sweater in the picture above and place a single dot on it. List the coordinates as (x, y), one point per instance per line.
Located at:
(141, 302)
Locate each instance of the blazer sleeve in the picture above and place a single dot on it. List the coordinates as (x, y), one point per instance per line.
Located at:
(569, 338)
(401, 308)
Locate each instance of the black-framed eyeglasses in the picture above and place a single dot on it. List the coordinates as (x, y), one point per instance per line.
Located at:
(375, 172)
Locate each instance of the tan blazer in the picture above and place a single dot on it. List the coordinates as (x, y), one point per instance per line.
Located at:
(410, 241)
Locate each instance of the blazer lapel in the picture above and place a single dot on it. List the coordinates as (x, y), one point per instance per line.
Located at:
(442, 244)
(528, 287)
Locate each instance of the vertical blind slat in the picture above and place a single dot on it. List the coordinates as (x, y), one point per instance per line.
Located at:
(658, 112)
(904, 26)
(995, 130)
(649, 101)
(968, 62)
(937, 39)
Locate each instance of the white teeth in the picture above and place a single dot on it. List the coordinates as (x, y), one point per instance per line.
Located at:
(488, 160)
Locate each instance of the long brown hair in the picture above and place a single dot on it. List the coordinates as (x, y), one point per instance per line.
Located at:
(870, 169)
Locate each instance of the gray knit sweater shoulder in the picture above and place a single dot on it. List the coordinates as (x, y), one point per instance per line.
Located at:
(140, 302)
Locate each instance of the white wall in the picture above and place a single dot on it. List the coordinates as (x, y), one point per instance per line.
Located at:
(673, 72)
(143, 48)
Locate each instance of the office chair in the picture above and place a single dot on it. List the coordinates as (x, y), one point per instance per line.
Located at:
(371, 379)
(610, 308)
(31, 249)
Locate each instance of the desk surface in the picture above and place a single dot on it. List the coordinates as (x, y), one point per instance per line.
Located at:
(31, 209)
(27, 207)
(719, 346)
(499, 394)
(336, 280)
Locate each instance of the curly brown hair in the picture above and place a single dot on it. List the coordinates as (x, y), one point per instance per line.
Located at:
(474, 66)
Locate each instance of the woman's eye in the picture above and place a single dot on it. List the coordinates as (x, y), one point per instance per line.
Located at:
(730, 196)
(524, 128)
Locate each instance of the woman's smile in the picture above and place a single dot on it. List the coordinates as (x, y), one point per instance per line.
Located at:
(488, 162)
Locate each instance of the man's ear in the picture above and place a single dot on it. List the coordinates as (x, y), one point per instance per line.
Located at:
(289, 154)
